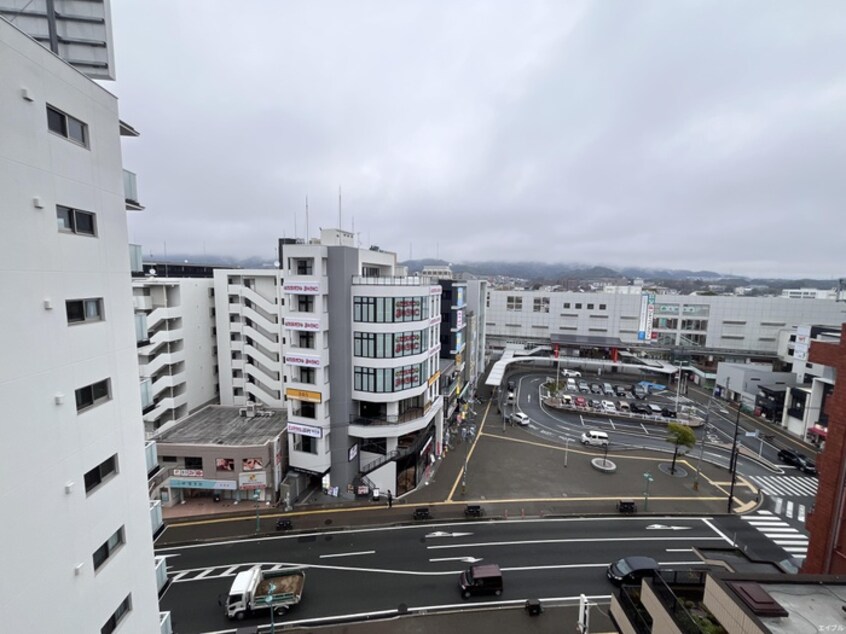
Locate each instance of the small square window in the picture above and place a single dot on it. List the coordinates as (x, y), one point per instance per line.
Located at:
(67, 126)
(578, 306)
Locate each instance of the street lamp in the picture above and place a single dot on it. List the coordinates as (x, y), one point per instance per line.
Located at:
(648, 477)
(566, 449)
(256, 498)
(733, 457)
(702, 446)
(271, 589)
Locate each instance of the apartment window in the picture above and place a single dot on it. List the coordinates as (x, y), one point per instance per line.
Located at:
(566, 304)
(694, 324)
(541, 305)
(102, 554)
(306, 340)
(307, 375)
(122, 610)
(99, 474)
(590, 306)
(305, 303)
(305, 266)
(92, 395)
(76, 221)
(67, 126)
(514, 303)
(603, 307)
(79, 310)
(487, 300)
(578, 306)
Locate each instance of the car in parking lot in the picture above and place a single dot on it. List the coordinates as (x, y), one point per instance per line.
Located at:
(595, 403)
(619, 390)
(639, 408)
(668, 412)
(580, 401)
(595, 388)
(511, 386)
(608, 406)
(519, 418)
(639, 392)
(584, 387)
(631, 569)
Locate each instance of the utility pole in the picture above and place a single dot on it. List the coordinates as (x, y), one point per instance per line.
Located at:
(733, 457)
(702, 446)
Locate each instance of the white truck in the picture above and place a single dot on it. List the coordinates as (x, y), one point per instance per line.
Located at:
(256, 590)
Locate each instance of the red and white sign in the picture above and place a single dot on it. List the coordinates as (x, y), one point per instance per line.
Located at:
(305, 430)
(248, 481)
(188, 473)
(556, 350)
(435, 290)
(407, 342)
(303, 360)
(405, 378)
(301, 288)
(434, 320)
(408, 307)
(300, 323)
(459, 318)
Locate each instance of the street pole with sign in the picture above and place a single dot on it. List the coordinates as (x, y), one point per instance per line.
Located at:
(648, 478)
(256, 498)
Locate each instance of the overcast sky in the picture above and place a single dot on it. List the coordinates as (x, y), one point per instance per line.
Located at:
(701, 135)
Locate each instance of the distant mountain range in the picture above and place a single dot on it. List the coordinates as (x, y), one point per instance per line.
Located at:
(540, 272)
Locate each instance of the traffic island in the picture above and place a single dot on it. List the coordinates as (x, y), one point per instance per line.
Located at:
(604, 465)
(667, 469)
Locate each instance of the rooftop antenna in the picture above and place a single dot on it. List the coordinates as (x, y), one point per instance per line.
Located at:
(306, 234)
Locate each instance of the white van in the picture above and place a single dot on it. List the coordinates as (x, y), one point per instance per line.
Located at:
(596, 438)
(571, 385)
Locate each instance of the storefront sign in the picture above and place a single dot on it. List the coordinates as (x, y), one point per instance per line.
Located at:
(406, 342)
(352, 454)
(188, 473)
(305, 430)
(304, 395)
(247, 481)
(434, 320)
(459, 318)
(305, 360)
(300, 323)
(435, 290)
(302, 288)
(222, 485)
(434, 377)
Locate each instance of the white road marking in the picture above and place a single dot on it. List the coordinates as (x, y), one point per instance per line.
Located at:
(789, 510)
(679, 550)
(445, 534)
(466, 560)
(361, 552)
(204, 573)
(586, 540)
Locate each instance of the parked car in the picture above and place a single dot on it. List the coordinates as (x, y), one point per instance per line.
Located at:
(608, 406)
(619, 390)
(509, 398)
(639, 392)
(668, 412)
(511, 386)
(584, 387)
(623, 406)
(639, 408)
(571, 385)
(607, 389)
(580, 401)
(595, 404)
(519, 418)
(631, 569)
(595, 388)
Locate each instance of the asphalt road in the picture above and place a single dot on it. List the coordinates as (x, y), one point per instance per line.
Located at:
(369, 571)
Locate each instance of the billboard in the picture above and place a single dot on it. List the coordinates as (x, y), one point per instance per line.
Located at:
(647, 312)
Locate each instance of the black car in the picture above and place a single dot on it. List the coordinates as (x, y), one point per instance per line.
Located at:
(619, 390)
(806, 465)
(639, 408)
(511, 386)
(595, 404)
(640, 392)
(668, 412)
(788, 456)
(595, 388)
(631, 569)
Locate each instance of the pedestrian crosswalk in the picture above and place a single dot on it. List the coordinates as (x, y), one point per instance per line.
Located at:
(780, 532)
(798, 486)
(217, 572)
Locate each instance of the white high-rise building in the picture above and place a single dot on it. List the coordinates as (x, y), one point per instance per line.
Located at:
(77, 521)
(177, 360)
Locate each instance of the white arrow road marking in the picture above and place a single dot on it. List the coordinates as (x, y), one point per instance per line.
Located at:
(361, 552)
(466, 560)
(445, 534)
(679, 550)
(664, 527)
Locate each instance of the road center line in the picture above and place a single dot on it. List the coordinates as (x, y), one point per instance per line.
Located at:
(530, 542)
(361, 552)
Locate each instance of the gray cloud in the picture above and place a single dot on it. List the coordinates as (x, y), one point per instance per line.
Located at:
(685, 135)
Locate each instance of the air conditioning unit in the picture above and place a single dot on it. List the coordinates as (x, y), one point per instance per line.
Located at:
(251, 410)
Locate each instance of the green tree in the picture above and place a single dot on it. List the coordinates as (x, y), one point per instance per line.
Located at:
(679, 435)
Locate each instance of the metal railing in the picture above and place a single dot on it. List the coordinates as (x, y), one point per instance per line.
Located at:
(691, 582)
(638, 615)
(393, 281)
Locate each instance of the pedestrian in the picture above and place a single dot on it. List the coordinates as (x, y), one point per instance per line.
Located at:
(390, 499)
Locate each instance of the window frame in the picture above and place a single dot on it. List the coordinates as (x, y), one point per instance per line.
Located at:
(117, 616)
(108, 548)
(73, 215)
(103, 472)
(84, 303)
(95, 399)
(65, 127)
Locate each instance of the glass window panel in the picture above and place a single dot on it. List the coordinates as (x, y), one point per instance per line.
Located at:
(85, 223)
(56, 121)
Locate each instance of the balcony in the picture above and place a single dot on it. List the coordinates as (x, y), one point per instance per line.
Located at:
(396, 425)
(156, 521)
(136, 260)
(165, 626)
(130, 191)
(393, 281)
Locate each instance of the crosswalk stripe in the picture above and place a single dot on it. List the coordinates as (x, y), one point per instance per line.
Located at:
(788, 512)
(795, 486)
(778, 505)
(800, 514)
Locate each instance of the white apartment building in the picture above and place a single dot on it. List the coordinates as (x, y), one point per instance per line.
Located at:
(175, 335)
(710, 323)
(77, 523)
(248, 316)
(353, 321)
(809, 293)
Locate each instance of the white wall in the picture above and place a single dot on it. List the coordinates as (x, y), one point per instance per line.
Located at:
(45, 446)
